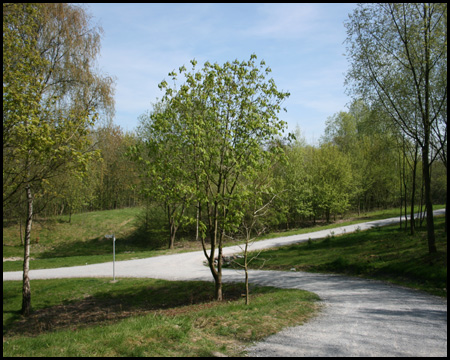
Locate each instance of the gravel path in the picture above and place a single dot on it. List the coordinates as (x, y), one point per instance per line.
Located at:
(360, 317)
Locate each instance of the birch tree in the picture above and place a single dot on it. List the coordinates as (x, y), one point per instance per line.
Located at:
(51, 97)
(398, 57)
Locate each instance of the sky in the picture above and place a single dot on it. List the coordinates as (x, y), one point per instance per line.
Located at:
(303, 44)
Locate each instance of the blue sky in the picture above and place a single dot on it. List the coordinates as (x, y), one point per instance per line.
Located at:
(301, 43)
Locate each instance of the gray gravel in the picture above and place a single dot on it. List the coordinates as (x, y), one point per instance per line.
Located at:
(360, 317)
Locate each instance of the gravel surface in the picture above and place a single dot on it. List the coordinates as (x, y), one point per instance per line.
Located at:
(360, 317)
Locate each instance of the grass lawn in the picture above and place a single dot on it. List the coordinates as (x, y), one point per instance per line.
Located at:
(145, 317)
(385, 253)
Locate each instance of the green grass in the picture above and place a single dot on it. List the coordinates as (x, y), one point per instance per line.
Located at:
(385, 253)
(349, 219)
(62, 244)
(145, 317)
(81, 242)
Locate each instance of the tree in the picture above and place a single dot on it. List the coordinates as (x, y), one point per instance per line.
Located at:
(51, 98)
(368, 142)
(223, 119)
(114, 175)
(331, 179)
(161, 158)
(398, 55)
(255, 210)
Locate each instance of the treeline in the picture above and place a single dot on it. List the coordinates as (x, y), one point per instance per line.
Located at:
(109, 182)
(361, 164)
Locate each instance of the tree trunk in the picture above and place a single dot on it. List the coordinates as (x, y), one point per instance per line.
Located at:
(247, 293)
(218, 288)
(26, 291)
(427, 133)
(172, 229)
(413, 195)
(428, 203)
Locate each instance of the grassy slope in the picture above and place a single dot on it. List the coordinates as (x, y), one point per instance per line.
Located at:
(385, 253)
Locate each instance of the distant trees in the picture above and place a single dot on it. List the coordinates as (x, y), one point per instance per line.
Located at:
(165, 167)
(370, 146)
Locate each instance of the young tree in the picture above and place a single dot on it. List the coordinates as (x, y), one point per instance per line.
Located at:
(398, 57)
(223, 119)
(331, 180)
(292, 182)
(162, 160)
(255, 211)
(51, 95)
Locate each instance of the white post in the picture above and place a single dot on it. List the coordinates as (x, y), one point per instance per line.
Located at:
(113, 236)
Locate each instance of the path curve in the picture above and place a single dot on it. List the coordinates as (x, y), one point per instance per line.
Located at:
(360, 317)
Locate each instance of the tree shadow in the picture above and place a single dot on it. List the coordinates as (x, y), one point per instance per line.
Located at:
(139, 240)
(107, 307)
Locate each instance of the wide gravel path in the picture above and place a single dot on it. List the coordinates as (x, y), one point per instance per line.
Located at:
(360, 317)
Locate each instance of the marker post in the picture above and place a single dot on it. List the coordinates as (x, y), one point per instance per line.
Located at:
(114, 254)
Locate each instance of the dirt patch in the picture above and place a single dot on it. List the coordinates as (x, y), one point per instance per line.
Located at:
(125, 222)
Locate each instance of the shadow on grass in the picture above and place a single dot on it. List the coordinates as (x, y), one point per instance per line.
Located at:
(140, 239)
(108, 306)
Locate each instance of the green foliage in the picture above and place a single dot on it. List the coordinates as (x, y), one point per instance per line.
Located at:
(210, 138)
(50, 101)
(398, 57)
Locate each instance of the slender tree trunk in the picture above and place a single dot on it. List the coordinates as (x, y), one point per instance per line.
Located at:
(172, 228)
(218, 288)
(413, 195)
(421, 204)
(173, 231)
(197, 222)
(247, 293)
(427, 128)
(26, 290)
(428, 203)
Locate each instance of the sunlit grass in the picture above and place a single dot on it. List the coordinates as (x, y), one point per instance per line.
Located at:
(386, 253)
